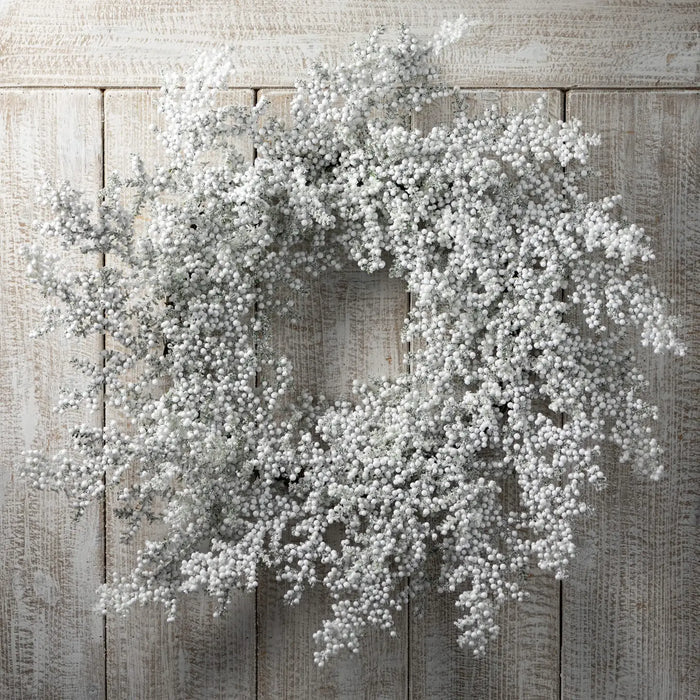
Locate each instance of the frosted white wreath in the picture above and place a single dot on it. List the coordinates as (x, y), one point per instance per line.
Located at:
(524, 293)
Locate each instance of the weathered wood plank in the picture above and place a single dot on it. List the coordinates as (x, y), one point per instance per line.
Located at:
(51, 641)
(523, 43)
(197, 656)
(349, 326)
(524, 661)
(631, 606)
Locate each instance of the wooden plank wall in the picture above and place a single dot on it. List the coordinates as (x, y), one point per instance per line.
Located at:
(74, 95)
(631, 607)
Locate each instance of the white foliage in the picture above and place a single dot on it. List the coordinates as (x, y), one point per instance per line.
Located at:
(523, 289)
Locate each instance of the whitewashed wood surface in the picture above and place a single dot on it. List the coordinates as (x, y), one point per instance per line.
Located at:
(51, 644)
(519, 43)
(625, 625)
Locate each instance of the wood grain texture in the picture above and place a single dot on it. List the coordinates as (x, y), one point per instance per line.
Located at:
(524, 661)
(197, 656)
(348, 327)
(51, 643)
(523, 43)
(631, 606)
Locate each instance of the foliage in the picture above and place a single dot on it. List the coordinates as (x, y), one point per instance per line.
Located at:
(524, 291)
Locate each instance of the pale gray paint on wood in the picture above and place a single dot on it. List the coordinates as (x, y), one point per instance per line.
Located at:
(524, 661)
(519, 43)
(51, 643)
(631, 608)
(197, 656)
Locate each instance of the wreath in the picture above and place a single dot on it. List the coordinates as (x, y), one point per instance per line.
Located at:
(524, 291)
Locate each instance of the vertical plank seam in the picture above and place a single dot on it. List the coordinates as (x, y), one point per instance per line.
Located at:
(409, 612)
(103, 407)
(562, 295)
(256, 663)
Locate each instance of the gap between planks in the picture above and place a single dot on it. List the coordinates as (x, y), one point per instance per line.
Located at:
(258, 88)
(103, 407)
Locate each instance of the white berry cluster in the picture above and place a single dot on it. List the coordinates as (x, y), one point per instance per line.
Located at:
(476, 461)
